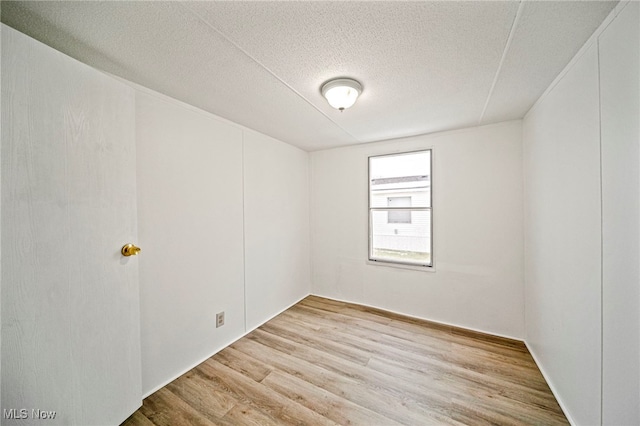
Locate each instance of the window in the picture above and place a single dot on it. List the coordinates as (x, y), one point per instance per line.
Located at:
(400, 208)
(399, 216)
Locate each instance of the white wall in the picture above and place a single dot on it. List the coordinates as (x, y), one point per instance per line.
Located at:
(276, 209)
(581, 228)
(562, 239)
(619, 49)
(477, 216)
(190, 230)
(221, 228)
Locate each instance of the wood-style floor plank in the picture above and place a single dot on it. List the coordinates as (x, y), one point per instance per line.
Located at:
(260, 397)
(382, 399)
(167, 409)
(139, 419)
(408, 391)
(326, 362)
(203, 395)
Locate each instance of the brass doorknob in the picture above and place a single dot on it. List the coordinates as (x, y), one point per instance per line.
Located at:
(129, 250)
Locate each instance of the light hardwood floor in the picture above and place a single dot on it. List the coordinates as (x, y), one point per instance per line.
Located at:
(328, 362)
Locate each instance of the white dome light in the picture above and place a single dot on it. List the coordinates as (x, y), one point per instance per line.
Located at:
(341, 93)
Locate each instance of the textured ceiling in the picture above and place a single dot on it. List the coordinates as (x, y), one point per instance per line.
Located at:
(425, 66)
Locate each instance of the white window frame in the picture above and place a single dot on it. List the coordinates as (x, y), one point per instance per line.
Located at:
(394, 263)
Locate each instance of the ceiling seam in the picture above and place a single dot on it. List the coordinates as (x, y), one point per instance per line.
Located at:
(502, 59)
(273, 74)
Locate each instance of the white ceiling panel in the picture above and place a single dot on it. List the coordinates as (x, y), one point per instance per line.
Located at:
(547, 36)
(425, 66)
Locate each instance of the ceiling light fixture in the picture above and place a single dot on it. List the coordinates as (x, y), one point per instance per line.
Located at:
(341, 93)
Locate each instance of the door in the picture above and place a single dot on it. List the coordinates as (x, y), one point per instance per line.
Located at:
(70, 300)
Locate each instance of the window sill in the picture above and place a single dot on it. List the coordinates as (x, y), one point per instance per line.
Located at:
(401, 266)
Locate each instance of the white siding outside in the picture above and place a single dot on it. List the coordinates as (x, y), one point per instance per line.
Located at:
(413, 236)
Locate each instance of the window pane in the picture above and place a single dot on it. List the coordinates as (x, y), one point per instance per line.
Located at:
(401, 242)
(400, 176)
(399, 216)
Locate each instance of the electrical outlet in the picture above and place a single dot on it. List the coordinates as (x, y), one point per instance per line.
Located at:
(219, 319)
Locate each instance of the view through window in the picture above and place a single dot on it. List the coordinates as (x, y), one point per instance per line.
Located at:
(400, 208)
